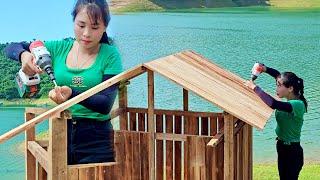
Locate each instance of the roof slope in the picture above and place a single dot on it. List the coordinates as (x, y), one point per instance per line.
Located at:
(218, 86)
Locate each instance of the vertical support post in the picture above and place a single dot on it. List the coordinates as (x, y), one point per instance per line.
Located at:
(29, 158)
(185, 100)
(250, 145)
(42, 174)
(228, 147)
(123, 104)
(151, 125)
(57, 149)
(185, 119)
(247, 153)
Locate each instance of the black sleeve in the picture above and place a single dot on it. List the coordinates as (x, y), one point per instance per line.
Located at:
(273, 103)
(273, 72)
(101, 102)
(14, 50)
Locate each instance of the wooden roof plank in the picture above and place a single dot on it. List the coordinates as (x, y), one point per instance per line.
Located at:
(214, 84)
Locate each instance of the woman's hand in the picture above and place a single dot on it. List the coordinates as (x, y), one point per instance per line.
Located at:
(28, 64)
(264, 67)
(250, 84)
(60, 94)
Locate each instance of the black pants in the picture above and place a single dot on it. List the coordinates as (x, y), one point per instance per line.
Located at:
(290, 160)
(89, 141)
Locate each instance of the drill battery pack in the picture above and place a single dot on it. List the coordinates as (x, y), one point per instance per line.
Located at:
(28, 86)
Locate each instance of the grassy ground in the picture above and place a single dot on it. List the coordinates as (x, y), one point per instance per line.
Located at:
(270, 172)
(295, 3)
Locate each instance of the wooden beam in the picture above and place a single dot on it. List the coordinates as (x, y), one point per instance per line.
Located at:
(245, 152)
(240, 124)
(159, 162)
(178, 149)
(250, 152)
(29, 158)
(171, 137)
(35, 110)
(42, 174)
(151, 125)
(178, 137)
(216, 139)
(57, 148)
(175, 112)
(185, 100)
(123, 103)
(39, 153)
(228, 147)
(169, 171)
(81, 166)
(43, 143)
(56, 110)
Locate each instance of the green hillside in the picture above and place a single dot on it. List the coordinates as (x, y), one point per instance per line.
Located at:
(160, 5)
(8, 70)
(295, 3)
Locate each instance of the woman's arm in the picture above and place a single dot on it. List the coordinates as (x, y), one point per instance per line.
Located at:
(101, 102)
(272, 72)
(20, 52)
(14, 50)
(271, 102)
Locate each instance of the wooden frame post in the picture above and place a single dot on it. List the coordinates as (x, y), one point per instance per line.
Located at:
(123, 104)
(228, 147)
(57, 149)
(185, 100)
(29, 158)
(247, 154)
(42, 174)
(151, 125)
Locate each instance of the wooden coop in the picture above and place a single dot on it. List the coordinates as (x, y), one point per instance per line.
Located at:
(159, 143)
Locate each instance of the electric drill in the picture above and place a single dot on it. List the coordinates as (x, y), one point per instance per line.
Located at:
(29, 86)
(256, 70)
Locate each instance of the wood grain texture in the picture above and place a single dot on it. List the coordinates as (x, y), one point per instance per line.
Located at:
(169, 148)
(39, 153)
(57, 150)
(229, 150)
(123, 103)
(151, 124)
(215, 84)
(29, 157)
(159, 147)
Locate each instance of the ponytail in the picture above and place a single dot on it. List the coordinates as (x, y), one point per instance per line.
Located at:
(290, 79)
(105, 38)
(301, 92)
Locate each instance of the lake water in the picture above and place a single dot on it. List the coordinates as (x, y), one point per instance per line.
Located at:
(234, 39)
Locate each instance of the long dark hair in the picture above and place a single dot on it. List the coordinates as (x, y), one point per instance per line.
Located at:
(291, 79)
(96, 9)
